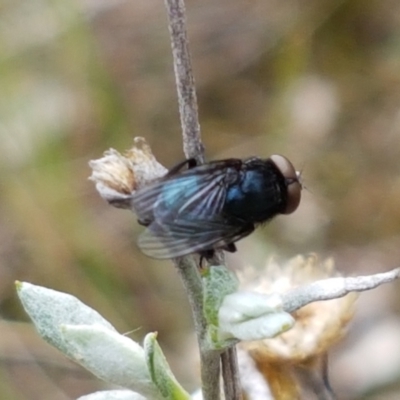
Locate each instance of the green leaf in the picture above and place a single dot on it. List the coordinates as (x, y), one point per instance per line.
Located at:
(218, 282)
(160, 371)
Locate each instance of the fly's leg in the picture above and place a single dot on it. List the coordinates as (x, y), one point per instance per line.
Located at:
(208, 255)
(190, 162)
(230, 247)
(143, 222)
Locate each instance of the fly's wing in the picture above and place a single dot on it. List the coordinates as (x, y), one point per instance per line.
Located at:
(184, 212)
(190, 236)
(196, 192)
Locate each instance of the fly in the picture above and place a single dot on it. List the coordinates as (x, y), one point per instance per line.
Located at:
(211, 206)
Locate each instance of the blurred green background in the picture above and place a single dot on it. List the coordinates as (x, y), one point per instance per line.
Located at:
(316, 80)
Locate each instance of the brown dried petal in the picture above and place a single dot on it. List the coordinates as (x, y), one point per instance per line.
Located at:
(118, 176)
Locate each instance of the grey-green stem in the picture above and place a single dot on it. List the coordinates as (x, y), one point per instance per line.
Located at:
(192, 144)
(193, 148)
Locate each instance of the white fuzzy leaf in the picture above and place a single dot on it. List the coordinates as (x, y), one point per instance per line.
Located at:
(252, 316)
(110, 356)
(49, 309)
(113, 395)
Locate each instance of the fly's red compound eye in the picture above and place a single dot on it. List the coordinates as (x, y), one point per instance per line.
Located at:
(291, 176)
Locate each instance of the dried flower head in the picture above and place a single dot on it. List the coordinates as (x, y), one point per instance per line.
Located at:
(318, 325)
(118, 176)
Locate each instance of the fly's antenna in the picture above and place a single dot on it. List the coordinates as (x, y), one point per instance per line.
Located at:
(300, 179)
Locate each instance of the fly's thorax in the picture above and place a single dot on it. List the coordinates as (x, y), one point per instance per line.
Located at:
(259, 195)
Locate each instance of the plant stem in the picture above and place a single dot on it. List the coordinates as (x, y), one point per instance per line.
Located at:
(230, 374)
(209, 359)
(192, 144)
(188, 270)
